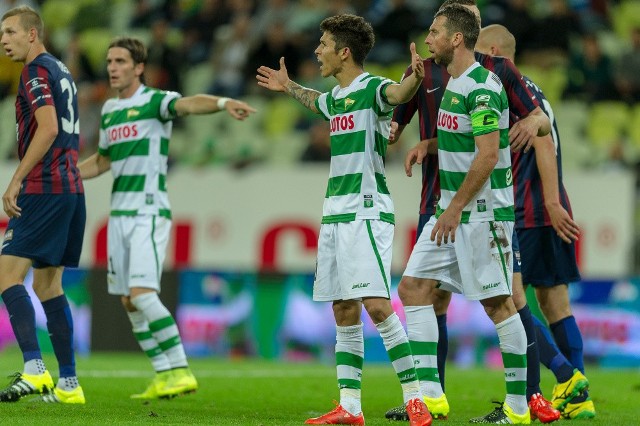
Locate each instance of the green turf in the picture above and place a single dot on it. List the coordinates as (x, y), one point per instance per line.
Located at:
(256, 393)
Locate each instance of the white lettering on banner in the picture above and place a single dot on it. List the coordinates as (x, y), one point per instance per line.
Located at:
(274, 223)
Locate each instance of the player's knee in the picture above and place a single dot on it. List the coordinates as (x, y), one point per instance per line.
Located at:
(126, 303)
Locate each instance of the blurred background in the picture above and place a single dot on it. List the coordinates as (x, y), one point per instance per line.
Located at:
(247, 196)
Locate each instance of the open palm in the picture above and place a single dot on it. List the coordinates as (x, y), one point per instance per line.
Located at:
(273, 79)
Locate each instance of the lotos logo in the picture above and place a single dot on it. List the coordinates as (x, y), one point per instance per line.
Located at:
(125, 131)
(447, 121)
(341, 123)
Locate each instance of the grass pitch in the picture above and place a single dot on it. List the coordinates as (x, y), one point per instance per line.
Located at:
(261, 393)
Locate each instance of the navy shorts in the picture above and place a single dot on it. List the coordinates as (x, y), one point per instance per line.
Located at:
(424, 218)
(547, 261)
(49, 231)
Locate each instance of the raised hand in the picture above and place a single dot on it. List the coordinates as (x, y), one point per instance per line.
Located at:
(275, 80)
(417, 65)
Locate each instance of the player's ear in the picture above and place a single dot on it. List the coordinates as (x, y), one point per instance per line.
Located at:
(139, 69)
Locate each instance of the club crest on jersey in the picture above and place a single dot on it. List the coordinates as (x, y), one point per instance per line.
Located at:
(482, 205)
(368, 201)
(348, 102)
(483, 99)
(149, 199)
(454, 101)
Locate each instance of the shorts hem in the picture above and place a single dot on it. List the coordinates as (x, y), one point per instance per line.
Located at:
(540, 283)
(349, 297)
(486, 296)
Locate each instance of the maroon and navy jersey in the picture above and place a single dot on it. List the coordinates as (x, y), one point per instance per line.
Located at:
(521, 100)
(47, 81)
(427, 102)
(527, 184)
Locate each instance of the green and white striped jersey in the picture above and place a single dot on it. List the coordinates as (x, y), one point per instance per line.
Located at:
(134, 134)
(474, 104)
(360, 119)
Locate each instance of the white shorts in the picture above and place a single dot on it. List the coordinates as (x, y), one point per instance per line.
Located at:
(136, 246)
(354, 260)
(478, 264)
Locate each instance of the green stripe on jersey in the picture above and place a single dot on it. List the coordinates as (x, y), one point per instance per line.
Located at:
(456, 142)
(343, 185)
(123, 150)
(501, 178)
(128, 183)
(348, 143)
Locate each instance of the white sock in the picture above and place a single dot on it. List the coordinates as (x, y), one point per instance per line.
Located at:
(513, 345)
(34, 367)
(422, 328)
(147, 342)
(163, 328)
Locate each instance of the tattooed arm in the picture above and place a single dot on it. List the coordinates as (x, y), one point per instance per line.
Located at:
(278, 81)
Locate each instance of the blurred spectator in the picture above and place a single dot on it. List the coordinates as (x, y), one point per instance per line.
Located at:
(78, 62)
(518, 20)
(164, 63)
(394, 32)
(275, 45)
(303, 26)
(144, 13)
(10, 4)
(229, 58)
(590, 73)
(199, 28)
(270, 12)
(553, 33)
(627, 70)
(318, 149)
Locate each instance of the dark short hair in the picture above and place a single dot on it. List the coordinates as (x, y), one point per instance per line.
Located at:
(137, 48)
(350, 31)
(29, 18)
(460, 2)
(460, 19)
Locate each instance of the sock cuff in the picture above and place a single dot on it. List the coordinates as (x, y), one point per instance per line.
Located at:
(13, 293)
(508, 321)
(350, 330)
(145, 300)
(388, 324)
(419, 315)
(56, 304)
(525, 310)
(561, 322)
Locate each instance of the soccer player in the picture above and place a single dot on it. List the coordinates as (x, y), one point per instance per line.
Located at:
(45, 189)
(134, 144)
(354, 247)
(466, 246)
(548, 233)
(526, 121)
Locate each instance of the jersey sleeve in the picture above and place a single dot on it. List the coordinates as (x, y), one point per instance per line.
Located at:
(322, 107)
(167, 105)
(37, 83)
(485, 106)
(403, 113)
(521, 100)
(381, 96)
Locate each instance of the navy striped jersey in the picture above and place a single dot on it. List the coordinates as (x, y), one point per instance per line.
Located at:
(427, 102)
(529, 199)
(47, 81)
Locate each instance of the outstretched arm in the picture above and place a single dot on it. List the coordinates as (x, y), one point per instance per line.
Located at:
(278, 81)
(403, 92)
(207, 104)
